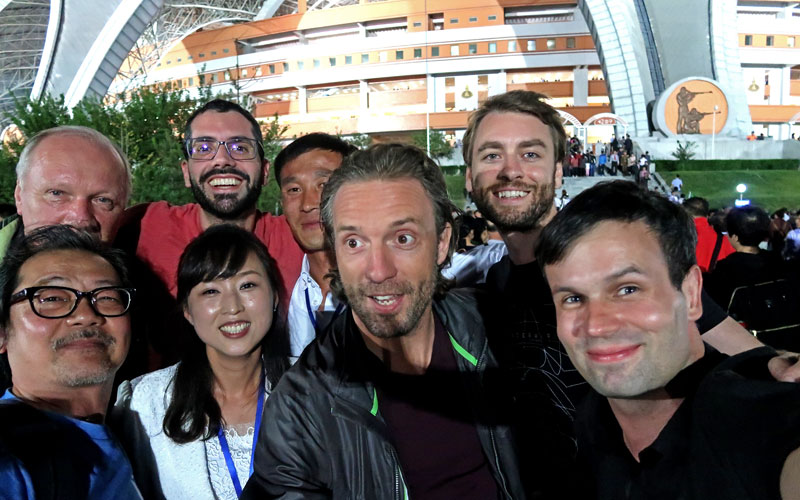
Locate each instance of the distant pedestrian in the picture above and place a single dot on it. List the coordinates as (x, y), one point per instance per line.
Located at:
(677, 183)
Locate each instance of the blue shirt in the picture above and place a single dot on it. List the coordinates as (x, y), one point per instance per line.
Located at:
(111, 479)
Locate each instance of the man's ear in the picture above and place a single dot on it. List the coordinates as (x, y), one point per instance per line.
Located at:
(444, 244)
(18, 198)
(185, 169)
(265, 170)
(468, 180)
(558, 176)
(3, 340)
(692, 289)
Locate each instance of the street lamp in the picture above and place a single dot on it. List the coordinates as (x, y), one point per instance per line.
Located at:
(741, 188)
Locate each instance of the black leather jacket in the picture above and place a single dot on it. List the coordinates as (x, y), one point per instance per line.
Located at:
(323, 436)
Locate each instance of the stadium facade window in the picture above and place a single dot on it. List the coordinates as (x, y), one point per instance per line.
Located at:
(473, 48)
(571, 42)
(179, 59)
(271, 69)
(473, 19)
(454, 50)
(201, 79)
(417, 53)
(512, 45)
(398, 55)
(492, 47)
(215, 78)
(225, 51)
(790, 41)
(213, 52)
(770, 40)
(531, 44)
(300, 64)
(191, 81)
(227, 75)
(748, 39)
(383, 56)
(244, 72)
(285, 67)
(201, 55)
(454, 20)
(434, 51)
(492, 18)
(551, 44)
(316, 63)
(417, 25)
(258, 71)
(348, 59)
(364, 58)
(332, 61)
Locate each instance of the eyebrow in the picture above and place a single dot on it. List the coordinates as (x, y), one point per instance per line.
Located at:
(397, 223)
(321, 172)
(524, 144)
(611, 277)
(50, 280)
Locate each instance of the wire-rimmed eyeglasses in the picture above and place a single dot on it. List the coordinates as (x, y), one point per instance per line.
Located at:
(206, 149)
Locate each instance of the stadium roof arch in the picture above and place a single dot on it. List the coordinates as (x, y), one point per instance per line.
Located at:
(78, 47)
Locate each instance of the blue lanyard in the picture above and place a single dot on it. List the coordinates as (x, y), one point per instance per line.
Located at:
(226, 451)
(311, 314)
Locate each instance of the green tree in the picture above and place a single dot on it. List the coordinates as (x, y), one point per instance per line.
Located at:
(440, 148)
(148, 127)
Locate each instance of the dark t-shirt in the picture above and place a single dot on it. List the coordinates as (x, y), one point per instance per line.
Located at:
(740, 269)
(728, 439)
(433, 430)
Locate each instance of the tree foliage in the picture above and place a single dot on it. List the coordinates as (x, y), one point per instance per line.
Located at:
(148, 127)
(440, 147)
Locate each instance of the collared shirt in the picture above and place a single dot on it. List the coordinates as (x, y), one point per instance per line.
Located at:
(301, 328)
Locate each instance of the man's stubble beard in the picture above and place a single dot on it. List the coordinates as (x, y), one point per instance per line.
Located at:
(385, 326)
(84, 376)
(521, 221)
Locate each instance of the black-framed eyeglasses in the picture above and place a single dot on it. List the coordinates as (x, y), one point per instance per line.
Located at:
(206, 149)
(61, 301)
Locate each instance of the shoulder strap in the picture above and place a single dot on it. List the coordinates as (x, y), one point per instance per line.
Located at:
(717, 247)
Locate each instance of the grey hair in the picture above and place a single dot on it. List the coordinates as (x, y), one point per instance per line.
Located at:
(386, 162)
(87, 133)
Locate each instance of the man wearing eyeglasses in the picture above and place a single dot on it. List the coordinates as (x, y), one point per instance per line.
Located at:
(64, 332)
(225, 167)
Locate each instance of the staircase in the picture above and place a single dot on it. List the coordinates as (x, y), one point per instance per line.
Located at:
(575, 185)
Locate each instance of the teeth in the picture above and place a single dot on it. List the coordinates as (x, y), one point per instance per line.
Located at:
(384, 300)
(235, 328)
(511, 194)
(225, 181)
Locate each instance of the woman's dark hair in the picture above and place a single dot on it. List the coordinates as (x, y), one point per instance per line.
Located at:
(218, 253)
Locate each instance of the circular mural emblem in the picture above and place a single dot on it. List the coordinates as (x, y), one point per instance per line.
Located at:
(692, 106)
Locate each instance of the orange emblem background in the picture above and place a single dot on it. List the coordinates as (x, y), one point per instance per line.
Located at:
(690, 108)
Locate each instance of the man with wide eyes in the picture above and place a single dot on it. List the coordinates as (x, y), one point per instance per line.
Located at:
(225, 167)
(302, 168)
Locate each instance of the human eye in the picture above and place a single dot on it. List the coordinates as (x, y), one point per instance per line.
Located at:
(491, 156)
(249, 285)
(243, 147)
(530, 155)
(627, 290)
(52, 296)
(209, 292)
(406, 239)
(105, 201)
(55, 194)
(353, 243)
(291, 190)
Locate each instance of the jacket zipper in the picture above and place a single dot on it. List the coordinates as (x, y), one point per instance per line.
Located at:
(491, 435)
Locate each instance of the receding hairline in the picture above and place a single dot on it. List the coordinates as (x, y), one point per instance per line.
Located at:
(89, 135)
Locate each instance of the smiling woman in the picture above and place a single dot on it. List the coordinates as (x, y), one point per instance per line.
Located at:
(200, 418)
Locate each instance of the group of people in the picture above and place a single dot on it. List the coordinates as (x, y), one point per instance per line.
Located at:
(608, 159)
(324, 354)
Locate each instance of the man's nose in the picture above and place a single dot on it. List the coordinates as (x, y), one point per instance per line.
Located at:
(511, 169)
(380, 266)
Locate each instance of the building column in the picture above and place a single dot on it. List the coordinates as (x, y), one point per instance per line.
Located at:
(363, 95)
(580, 86)
(302, 100)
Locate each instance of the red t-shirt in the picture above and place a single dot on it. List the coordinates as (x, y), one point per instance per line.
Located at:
(165, 230)
(706, 240)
